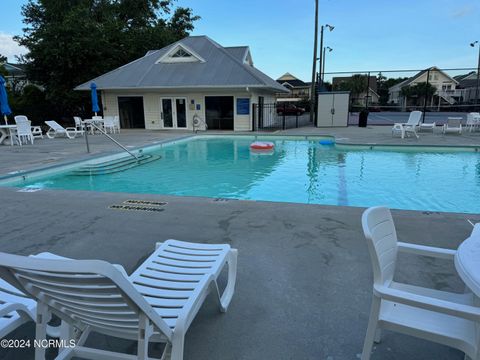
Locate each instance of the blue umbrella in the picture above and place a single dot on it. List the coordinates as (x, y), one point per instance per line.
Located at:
(4, 108)
(95, 107)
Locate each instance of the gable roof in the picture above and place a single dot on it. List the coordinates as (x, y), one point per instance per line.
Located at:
(222, 67)
(417, 75)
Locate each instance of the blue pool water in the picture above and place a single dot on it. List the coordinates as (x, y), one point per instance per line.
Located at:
(298, 171)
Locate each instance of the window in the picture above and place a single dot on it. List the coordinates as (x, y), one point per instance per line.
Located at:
(181, 54)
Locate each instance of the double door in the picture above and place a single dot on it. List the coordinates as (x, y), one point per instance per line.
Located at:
(173, 112)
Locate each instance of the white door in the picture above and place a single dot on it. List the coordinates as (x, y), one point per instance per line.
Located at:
(325, 107)
(341, 102)
(173, 112)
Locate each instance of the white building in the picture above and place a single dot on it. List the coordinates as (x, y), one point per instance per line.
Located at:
(191, 78)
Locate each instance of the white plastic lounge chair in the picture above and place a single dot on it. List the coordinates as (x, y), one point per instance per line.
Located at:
(57, 129)
(410, 126)
(23, 131)
(157, 303)
(443, 317)
(16, 308)
(453, 125)
(109, 124)
(473, 121)
(36, 130)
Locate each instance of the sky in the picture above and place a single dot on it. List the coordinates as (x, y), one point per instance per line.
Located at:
(369, 35)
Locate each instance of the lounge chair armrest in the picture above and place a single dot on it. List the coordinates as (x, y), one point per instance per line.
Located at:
(429, 251)
(428, 303)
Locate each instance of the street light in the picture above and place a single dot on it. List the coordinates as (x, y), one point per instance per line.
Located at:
(478, 70)
(324, 61)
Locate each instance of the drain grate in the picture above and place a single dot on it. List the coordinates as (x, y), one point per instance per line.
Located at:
(136, 208)
(145, 202)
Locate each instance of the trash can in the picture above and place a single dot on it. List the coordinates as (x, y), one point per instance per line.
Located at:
(363, 118)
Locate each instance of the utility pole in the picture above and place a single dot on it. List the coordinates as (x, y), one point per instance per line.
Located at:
(478, 71)
(314, 65)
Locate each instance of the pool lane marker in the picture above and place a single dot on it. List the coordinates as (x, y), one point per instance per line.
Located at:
(136, 205)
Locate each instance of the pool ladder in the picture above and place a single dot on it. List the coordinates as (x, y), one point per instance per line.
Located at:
(111, 138)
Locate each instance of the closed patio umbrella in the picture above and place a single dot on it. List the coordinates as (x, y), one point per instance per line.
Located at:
(95, 107)
(4, 108)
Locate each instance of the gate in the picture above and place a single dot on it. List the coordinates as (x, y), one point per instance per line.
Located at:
(278, 116)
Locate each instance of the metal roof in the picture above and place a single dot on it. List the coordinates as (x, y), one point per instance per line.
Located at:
(221, 68)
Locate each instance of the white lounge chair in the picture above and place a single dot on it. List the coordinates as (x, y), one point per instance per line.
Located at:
(453, 125)
(446, 318)
(473, 121)
(16, 308)
(36, 130)
(157, 303)
(410, 126)
(57, 129)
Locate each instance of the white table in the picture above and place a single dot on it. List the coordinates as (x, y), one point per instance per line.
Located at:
(97, 122)
(7, 131)
(467, 261)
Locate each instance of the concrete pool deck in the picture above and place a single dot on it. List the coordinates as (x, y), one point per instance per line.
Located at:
(304, 274)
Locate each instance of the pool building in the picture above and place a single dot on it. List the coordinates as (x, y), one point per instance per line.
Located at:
(194, 83)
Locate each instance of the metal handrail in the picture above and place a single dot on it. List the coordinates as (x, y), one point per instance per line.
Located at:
(111, 138)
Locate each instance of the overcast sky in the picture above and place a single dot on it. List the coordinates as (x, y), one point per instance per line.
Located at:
(369, 35)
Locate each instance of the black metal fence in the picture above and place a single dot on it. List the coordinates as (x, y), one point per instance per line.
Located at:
(279, 116)
(389, 95)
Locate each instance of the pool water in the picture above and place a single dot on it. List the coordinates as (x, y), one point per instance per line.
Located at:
(297, 171)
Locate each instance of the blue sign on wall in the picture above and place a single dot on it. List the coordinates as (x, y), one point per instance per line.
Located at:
(243, 106)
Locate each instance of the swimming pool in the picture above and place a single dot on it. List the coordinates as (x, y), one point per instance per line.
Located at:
(302, 171)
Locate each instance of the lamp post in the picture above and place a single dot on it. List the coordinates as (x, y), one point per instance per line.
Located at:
(314, 65)
(324, 61)
(478, 70)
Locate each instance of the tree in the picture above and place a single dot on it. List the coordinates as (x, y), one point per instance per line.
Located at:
(384, 85)
(72, 41)
(420, 91)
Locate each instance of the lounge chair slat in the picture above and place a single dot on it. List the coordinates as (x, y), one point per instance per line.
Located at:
(164, 285)
(166, 276)
(163, 293)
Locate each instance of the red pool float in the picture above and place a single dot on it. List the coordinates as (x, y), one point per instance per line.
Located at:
(262, 145)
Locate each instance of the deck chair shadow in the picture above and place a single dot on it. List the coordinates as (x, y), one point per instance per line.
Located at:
(157, 303)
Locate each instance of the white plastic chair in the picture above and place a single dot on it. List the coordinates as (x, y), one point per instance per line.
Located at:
(109, 124)
(410, 126)
(116, 122)
(57, 129)
(443, 317)
(79, 125)
(23, 131)
(473, 121)
(36, 130)
(157, 303)
(453, 125)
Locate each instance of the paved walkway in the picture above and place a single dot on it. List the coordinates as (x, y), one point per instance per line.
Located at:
(304, 274)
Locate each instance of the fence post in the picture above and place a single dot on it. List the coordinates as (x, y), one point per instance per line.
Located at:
(284, 108)
(296, 119)
(425, 96)
(254, 110)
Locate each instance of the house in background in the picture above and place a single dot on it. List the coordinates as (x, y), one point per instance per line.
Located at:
(193, 78)
(17, 77)
(299, 90)
(446, 88)
(467, 84)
